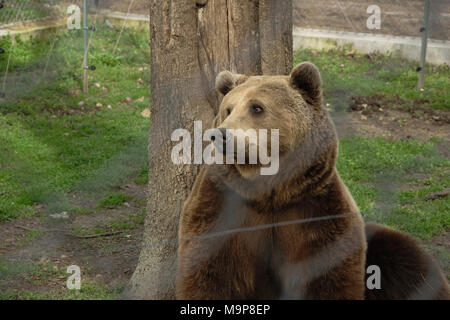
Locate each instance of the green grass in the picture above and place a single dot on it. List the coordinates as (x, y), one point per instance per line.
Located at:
(376, 171)
(34, 277)
(113, 200)
(142, 178)
(29, 272)
(80, 211)
(53, 138)
(129, 221)
(30, 236)
(391, 79)
(88, 291)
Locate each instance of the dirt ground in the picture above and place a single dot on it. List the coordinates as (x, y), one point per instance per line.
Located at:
(112, 259)
(398, 17)
(138, 6)
(108, 260)
(369, 116)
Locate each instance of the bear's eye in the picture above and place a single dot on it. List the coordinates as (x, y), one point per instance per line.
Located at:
(256, 108)
(228, 111)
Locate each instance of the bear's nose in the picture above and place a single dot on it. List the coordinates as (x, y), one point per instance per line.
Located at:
(221, 139)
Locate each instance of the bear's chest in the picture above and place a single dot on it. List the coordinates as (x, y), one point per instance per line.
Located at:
(277, 236)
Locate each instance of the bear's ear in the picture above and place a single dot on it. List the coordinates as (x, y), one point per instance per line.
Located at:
(227, 81)
(306, 77)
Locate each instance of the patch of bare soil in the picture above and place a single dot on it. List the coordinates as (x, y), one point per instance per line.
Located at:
(138, 6)
(104, 243)
(15, 232)
(377, 116)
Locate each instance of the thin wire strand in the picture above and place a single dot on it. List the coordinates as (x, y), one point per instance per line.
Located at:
(49, 55)
(345, 15)
(123, 26)
(293, 222)
(11, 49)
(268, 226)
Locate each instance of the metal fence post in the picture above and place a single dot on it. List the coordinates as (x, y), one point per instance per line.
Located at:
(423, 54)
(85, 33)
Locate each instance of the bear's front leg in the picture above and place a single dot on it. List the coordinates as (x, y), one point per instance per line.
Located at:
(328, 265)
(344, 282)
(218, 274)
(319, 282)
(212, 262)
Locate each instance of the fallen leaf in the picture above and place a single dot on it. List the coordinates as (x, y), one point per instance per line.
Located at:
(146, 113)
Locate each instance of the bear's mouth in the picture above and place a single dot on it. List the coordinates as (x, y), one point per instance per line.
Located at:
(241, 158)
(247, 151)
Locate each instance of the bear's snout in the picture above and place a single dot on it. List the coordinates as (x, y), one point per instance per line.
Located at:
(221, 139)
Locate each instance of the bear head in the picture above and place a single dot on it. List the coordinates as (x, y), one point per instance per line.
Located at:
(290, 104)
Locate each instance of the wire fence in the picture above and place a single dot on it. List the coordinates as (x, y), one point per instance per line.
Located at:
(23, 11)
(398, 17)
(387, 17)
(59, 59)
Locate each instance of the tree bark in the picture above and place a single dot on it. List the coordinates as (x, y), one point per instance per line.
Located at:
(191, 42)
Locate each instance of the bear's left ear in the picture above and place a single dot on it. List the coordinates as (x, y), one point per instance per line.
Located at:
(306, 77)
(227, 81)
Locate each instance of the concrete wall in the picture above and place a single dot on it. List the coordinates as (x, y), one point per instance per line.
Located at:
(44, 29)
(132, 19)
(37, 30)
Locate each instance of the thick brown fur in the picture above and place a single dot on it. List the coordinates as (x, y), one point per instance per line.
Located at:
(407, 271)
(297, 234)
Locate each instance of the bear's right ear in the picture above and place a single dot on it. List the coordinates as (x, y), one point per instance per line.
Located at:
(306, 77)
(227, 81)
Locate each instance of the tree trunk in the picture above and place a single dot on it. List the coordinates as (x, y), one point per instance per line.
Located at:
(191, 42)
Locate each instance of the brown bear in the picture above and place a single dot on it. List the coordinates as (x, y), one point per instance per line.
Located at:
(295, 234)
